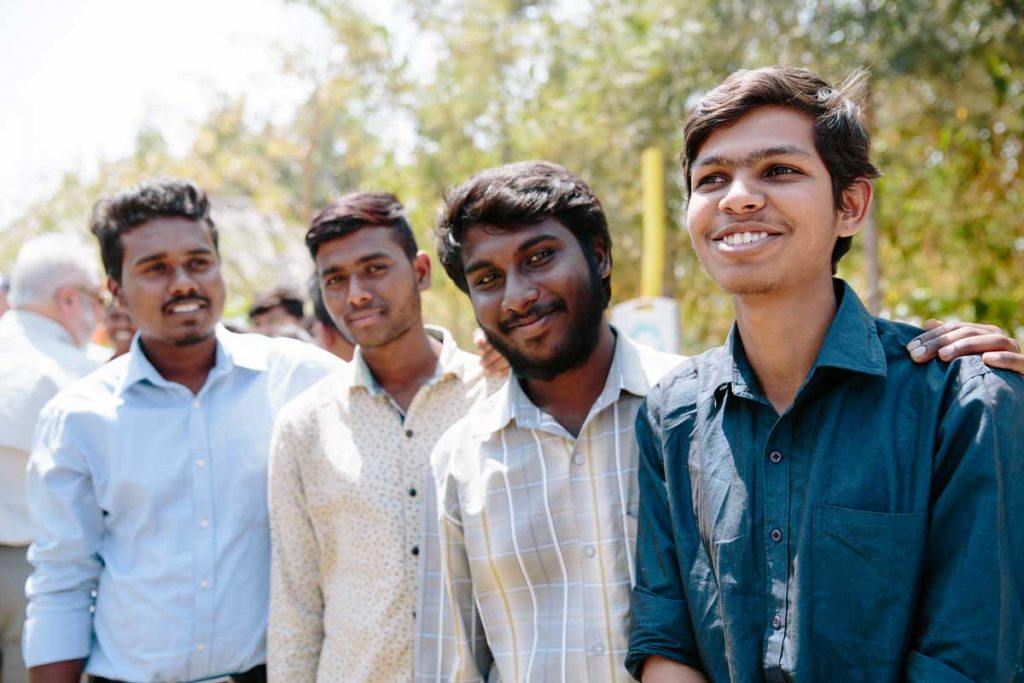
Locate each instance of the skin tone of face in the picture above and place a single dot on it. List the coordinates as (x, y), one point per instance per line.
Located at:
(529, 288)
(120, 328)
(76, 307)
(763, 221)
(172, 286)
(372, 288)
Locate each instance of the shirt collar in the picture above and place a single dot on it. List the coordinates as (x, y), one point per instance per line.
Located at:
(510, 403)
(449, 363)
(851, 344)
(233, 350)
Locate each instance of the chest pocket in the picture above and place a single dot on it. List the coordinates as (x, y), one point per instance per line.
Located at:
(864, 569)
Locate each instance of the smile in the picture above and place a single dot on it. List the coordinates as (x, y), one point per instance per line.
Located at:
(533, 327)
(363, 319)
(185, 307)
(744, 241)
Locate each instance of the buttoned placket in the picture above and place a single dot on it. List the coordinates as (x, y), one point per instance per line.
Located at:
(775, 465)
(205, 546)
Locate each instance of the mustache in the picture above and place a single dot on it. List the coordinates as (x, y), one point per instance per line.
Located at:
(183, 299)
(538, 310)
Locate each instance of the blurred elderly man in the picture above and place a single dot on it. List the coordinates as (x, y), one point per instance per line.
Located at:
(44, 339)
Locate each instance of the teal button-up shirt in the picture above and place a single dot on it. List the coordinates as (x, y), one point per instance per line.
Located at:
(862, 535)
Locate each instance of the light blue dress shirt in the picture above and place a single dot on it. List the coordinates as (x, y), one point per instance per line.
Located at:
(152, 557)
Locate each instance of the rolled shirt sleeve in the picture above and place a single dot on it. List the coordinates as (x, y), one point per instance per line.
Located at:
(660, 618)
(65, 554)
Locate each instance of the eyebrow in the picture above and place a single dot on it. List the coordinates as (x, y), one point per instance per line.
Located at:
(163, 254)
(361, 260)
(752, 158)
(525, 246)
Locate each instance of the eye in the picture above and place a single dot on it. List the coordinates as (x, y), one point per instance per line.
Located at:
(780, 170)
(486, 280)
(334, 280)
(540, 257)
(710, 179)
(155, 268)
(376, 269)
(198, 263)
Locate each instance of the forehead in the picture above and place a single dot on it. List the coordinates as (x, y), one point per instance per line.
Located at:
(500, 246)
(761, 128)
(166, 235)
(348, 249)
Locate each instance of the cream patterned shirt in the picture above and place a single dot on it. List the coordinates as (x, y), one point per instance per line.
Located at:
(350, 502)
(538, 533)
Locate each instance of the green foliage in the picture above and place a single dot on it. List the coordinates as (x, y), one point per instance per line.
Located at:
(590, 85)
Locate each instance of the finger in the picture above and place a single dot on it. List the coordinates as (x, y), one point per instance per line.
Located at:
(933, 347)
(1006, 360)
(978, 344)
(939, 329)
(480, 339)
(931, 324)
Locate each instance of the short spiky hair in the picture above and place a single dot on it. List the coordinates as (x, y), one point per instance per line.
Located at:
(358, 210)
(516, 195)
(840, 137)
(164, 198)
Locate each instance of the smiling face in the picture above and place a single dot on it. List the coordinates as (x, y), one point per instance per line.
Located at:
(120, 327)
(761, 215)
(171, 281)
(370, 287)
(536, 294)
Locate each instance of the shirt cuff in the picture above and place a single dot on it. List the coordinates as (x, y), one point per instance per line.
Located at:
(56, 637)
(661, 626)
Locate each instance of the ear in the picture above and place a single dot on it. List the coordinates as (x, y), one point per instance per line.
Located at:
(853, 211)
(421, 266)
(114, 288)
(603, 256)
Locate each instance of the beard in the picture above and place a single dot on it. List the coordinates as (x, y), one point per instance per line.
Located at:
(193, 338)
(571, 352)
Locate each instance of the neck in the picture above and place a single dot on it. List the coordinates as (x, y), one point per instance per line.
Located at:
(404, 364)
(569, 396)
(187, 365)
(782, 334)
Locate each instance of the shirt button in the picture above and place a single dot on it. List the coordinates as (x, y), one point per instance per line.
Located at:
(775, 457)
(408, 432)
(200, 463)
(200, 647)
(588, 550)
(776, 535)
(776, 622)
(195, 403)
(598, 649)
(415, 550)
(412, 492)
(578, 459)
(204, 584)
(204, 523)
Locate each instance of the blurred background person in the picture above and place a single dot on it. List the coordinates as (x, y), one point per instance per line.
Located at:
(119, 327)
(276, 308)
(5, 286)
(327, 334)
(44, 341)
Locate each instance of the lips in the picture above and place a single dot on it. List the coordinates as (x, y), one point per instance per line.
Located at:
(533, 321)
(364, 318)
(740, 237)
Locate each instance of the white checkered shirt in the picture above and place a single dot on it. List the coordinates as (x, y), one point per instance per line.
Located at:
(538, 530)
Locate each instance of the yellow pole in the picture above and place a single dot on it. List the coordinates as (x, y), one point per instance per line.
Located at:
(652, 178)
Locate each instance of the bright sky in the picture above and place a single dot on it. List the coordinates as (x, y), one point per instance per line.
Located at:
(79, 78)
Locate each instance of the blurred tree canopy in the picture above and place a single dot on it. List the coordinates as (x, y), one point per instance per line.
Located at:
(453, 86)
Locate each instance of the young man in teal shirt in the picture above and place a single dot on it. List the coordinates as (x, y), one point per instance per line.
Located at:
(814, 505)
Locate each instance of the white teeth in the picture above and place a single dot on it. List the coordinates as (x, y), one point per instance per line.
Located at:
(744, 238)
(185, 308)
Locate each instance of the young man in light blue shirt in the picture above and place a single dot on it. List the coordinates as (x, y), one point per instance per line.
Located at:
(147, 480)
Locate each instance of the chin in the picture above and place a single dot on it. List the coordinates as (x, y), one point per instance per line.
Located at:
(193, 338)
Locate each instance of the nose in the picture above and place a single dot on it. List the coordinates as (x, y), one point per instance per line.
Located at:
(182, 283)
(742, 197)
(520, 293)
(357, 294)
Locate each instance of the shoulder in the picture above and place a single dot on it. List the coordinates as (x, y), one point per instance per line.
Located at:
(681, 388)
(303, 410)
(291, 353)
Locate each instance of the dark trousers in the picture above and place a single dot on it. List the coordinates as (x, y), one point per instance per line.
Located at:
(257, 674)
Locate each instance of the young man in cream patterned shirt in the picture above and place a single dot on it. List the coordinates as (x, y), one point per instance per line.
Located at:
(350, 502)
